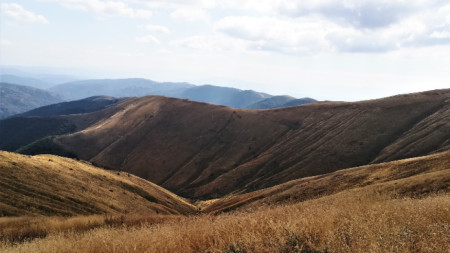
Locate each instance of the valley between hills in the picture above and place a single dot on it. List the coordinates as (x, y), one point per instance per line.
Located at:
(160, 174)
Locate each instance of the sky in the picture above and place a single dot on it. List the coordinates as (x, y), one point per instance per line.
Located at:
(325, 49)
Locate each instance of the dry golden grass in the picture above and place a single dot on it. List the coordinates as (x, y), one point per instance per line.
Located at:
(351, 221)
(19, 229)
(52, 185)
(408, 177)
(402, 206)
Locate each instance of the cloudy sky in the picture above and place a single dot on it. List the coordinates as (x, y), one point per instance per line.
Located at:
(325, 49)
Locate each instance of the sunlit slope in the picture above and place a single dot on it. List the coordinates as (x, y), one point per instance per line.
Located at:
(414, 177)
(52, 185)
(410, 213)
(200, 150)
(334, 136)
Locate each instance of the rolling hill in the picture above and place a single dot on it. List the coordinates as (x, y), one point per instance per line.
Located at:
(223, 96)
(16, 99)
(90, 104)
(203, 151)
(18, 132)
(298, 101)
(399, 206)
(280, 101)
(413, 177)
(52, 185)
(272, 102)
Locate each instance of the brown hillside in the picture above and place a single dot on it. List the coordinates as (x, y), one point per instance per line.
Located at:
(413, 177)
(17, 132)
(200, 150)
(400, 206)
(52, 185)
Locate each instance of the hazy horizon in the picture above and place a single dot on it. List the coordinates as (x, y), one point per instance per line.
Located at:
(327, 50)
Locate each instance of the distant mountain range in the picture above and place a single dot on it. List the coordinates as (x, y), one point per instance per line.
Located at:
(138, 87)
(25, 81)
(16, 102)
(132, 87)
(200, 150)
(15, 99)
(46, 76)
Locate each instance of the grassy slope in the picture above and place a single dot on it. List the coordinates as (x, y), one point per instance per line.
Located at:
(394, 207)
(51, 185)
(18, 132)
(220, 150)
(193, 142)
(342, 223)
(410, 177)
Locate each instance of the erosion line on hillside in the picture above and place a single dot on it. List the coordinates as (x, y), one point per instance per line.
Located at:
(404, 131)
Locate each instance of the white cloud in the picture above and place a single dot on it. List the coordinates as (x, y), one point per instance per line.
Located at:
(106, 8)
(312, 26)
(147, 39)
(17, 12)
(440, 35)
(200, 42)
(366, 13)
(190, 14)
(174, 4)
(215, 42)
(315, 34)
(156, 28)
(4, 42)
(163, 51)
(302, 36)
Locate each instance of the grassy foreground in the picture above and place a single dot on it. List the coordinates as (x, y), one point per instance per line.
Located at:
(360, 220)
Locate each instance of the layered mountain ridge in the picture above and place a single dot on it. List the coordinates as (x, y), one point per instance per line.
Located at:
(200, 150)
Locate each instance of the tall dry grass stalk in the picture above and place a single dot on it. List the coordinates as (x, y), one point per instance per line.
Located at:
(346, 222)
(14, 230)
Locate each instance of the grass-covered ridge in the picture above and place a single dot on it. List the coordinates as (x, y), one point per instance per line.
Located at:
(400, 206)
(51, 185)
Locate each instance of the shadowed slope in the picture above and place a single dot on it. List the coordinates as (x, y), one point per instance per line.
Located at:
(17, 132)
(332, 136)
(52, 185)
(173, 142)
(272, 102)
(202, 150)
(86, 105)
(411, 177)
(430, 135)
